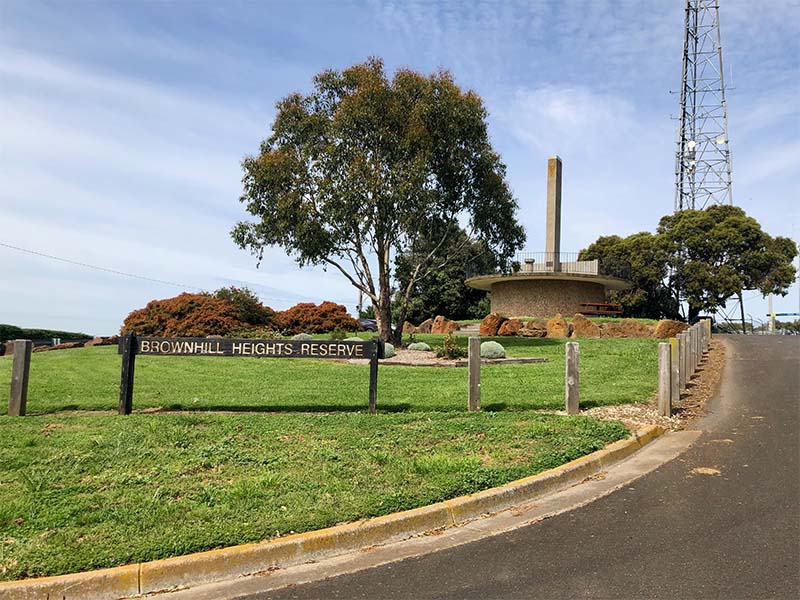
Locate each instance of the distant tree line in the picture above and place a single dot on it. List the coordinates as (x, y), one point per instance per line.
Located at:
(12, 332)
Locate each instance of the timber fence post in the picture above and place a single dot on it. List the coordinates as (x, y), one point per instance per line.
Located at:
(128, 342)
(572, 379)
(675, 373)
(683, 351)
(474, 378)
(20, 370)
(664, 379)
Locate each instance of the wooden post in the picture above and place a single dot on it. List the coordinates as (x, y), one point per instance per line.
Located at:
(474, 365)
(377, 352)
(683, 353)
(664, 380)
(696, 345)
(126, 380)
(675, 373)
(572, 380)
(20, 369)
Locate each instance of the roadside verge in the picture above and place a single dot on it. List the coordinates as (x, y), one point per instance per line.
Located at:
(248, 559)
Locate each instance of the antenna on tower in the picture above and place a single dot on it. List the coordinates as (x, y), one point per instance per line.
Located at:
(703, 156)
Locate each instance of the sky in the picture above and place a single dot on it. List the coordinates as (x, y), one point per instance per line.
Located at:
(123, 125)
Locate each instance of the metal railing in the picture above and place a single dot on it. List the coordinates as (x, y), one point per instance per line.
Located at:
(553, 262)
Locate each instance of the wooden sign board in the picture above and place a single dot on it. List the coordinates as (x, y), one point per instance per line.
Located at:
(131, 345)
(252, 348)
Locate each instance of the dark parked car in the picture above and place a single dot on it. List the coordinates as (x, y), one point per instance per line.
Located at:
(369, 324)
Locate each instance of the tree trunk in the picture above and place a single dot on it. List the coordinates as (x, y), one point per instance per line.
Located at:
(741, 307)
(694, 312)
(383, 315)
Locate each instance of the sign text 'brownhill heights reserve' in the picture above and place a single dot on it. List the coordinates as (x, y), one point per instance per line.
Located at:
(255, 348)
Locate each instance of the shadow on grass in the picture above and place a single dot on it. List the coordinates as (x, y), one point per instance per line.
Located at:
(494, 406)
(288, 408)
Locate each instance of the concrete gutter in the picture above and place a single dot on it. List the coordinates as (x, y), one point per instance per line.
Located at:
(248, 559)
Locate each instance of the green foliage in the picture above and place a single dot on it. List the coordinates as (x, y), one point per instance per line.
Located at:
(702, 257)
(492, 350)
(716, 253)
(367, 166)
(338, 334)
(792, 326)
(12, 332)
(261, 333)
(419, 347)
(248, 306)
(450, 348)
(646, 256)
(442, 291)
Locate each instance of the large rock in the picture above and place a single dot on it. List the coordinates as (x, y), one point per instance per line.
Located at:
(626, 328)
(409, 327)
(443, 325)
(7, 349)
(557, 327)
(98, 341)
(424, 327)
(491, 324)
(584, 328)
(667, 328)
(510, 327)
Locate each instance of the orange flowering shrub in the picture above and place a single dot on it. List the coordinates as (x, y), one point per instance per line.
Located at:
(307, 317)
(200, 315)
(233, 311)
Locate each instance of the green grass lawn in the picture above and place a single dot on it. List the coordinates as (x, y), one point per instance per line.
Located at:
(84, 490)
(613, 371)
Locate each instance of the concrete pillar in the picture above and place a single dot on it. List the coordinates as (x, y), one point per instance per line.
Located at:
(572, 379)
(474, 367)
(553, 231)
(664, 379)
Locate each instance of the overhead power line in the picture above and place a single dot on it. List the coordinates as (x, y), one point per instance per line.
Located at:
(96, 268)
(151, 279)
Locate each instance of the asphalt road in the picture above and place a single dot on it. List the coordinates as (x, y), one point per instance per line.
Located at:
(720, 521)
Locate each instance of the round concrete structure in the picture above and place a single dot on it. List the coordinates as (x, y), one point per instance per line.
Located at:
(545, 294)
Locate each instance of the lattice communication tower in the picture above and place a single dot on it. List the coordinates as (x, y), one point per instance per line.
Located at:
(703, 157)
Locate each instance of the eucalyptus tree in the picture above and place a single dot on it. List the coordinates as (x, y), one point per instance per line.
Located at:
(366, 167)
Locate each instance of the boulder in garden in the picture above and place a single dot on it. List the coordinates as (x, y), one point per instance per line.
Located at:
(557, 327)
(584, 328)
(443, 325)
(491, 324)
(424, 327)
(510, 327)
(667, 328)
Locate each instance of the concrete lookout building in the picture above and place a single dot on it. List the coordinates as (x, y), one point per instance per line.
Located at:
(545, 283)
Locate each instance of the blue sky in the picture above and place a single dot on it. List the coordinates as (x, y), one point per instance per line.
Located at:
(122, 125)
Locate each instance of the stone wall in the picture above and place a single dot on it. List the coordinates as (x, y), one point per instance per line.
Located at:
(544, 297)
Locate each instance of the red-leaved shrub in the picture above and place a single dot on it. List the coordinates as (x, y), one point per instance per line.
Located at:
(307, 317)
(200, 315)
(233, 311)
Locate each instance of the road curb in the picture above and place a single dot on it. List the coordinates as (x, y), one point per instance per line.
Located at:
(248, 559)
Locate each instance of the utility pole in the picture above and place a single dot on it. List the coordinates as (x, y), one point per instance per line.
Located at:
(703, 157)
